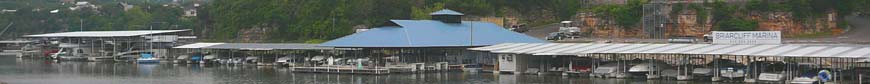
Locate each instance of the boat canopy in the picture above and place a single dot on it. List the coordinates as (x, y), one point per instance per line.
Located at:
(764, 50)
(258, 46)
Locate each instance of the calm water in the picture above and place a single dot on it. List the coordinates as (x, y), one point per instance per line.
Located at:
(36, 71)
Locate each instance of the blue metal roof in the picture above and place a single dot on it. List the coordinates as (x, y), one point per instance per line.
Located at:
(446, 12)
(431, 33)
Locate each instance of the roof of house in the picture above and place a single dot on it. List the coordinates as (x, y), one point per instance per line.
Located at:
(432, 33)
(105, 33)
(446, 12)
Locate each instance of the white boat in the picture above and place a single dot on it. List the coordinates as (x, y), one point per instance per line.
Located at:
(702, 72)
(649, 69)
(210, 58)
(610, 70)
(251, 60)
(181, 59)
(804, 80)
(284, 61)
(733, 73)
(771, 77)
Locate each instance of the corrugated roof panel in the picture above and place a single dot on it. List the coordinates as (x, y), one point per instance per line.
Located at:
(507, 46)
(753, 50)
(707, 49)
(560, 46)
(629, 47)
(832, 52)
(197, 45)
(547, 45)
(857, 53)
(733, 48)
(599, 50)
(645, 48)
(579, 49)
(431, 33)
(669, 48)
(563, 50)
(486, 48)
(777, 51)
(804, 52)
(683, 50)
(105, 33)
(509, 50)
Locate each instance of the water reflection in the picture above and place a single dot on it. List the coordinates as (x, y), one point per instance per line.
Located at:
(38, 71)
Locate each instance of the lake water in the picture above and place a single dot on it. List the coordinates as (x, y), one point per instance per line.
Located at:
(39, 71)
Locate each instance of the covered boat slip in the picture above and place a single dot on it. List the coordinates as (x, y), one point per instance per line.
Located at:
(842, 59)
(313, 58)
(102, 44)
(285, 54)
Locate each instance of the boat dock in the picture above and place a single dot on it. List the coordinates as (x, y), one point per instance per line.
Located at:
(342, 70)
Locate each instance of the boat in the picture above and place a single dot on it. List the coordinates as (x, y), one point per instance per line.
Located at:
(812, 75)
(211, 58)
(147, 58)
(767, 71)
(181, 59)
(284, 61)
(650, 69)
(196, 58)
(709, 70)
(251, 60)
(613, 70)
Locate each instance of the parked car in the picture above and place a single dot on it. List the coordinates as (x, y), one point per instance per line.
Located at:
(555, 36)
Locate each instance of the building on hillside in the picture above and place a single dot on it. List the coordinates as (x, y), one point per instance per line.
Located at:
(443, 39)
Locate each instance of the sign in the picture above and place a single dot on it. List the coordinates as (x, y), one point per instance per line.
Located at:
(747, 37)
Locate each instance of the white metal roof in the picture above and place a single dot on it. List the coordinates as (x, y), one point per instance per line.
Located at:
(727, 50)
(687, 48)
(600, 50)
(629, 47)
(804, 51)
(707, 49)
(490, 47)
(758, 48)
(767, 50)
(560, 46)
(509, 50)
(863, 52)
(197, 45)
(558, 51)
(645, 48)
(535, 48)
(659, 50)
(105, 33)
(777, 51)
(832, 51)
(504, 46)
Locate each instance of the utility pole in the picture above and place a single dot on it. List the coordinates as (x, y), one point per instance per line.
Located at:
(81, 24)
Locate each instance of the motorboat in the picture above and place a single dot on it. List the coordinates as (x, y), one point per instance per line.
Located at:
(282, 61)
(670, 73)
(650, 69)
(196, 58)
(181, 59)
(767, 71)
(251, 60)
(731, 68)
(147, 58)
(211, 58)
(616, 70)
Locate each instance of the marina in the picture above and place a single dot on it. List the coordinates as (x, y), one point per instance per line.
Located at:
(444, 49)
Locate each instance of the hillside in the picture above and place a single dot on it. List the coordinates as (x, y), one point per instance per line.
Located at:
(319, 20)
